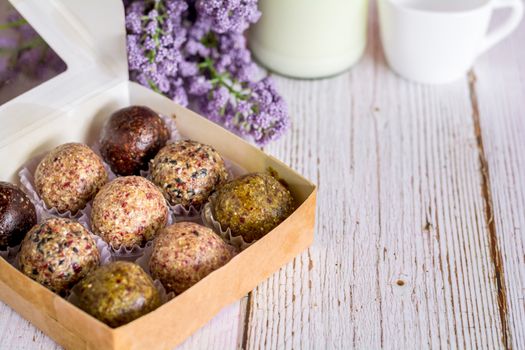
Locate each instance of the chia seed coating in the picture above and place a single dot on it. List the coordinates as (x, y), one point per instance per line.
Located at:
(128, 211)
(188, 172)
(131, 138)
(70, 176)
(17, 215)
(252, 205)
(58, 253)
(117, 293)
(185, 253)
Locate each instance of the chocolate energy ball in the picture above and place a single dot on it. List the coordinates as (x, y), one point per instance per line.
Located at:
(128, 211)
(187, 172)
(69, 177)
(252, 205)
(131, 137)
(185, 253)
(117, 293)
(17, 215)
(58, 253)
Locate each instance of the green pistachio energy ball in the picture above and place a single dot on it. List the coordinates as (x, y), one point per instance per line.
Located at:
(252, 205)
(117, 293)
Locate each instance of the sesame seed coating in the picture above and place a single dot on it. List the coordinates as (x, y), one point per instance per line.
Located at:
(17, 215)
(188, 172)
(58, 253)
(117, 293)
(70, 176)
(185, 253)
(128, 211)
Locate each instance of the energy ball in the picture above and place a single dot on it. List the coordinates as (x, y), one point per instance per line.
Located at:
(69, 177)
(131, 138)
(17, 215)
(188, 172)
(252, 205)
(117, 293)
(128, 211)
(185, 253)
(58, 253)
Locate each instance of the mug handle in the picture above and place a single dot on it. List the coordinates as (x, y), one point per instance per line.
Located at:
(516, 6)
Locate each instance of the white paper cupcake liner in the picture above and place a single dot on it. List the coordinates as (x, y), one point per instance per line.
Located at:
(143, 262)
(10, 254)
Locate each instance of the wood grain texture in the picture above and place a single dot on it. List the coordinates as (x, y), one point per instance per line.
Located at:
(402, 256)
(498, 84)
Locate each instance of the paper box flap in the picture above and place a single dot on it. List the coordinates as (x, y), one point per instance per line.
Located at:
(90, 36)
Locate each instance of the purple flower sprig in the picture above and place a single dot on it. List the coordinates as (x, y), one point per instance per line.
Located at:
(228, 15)
(155, 35)
(195, 53)
(251, 109)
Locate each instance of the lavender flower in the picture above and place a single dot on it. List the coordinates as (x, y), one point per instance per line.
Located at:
(155, 35)
(195, 53)
(228, 15)
(226, 89)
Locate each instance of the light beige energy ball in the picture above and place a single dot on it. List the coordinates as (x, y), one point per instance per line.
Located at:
(128, 211)
(185, 253)
(70, 176)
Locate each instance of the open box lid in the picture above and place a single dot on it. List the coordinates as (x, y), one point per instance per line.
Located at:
(90, 36)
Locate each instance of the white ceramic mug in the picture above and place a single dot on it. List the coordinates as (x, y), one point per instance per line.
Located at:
(309, 38)
(437, 41)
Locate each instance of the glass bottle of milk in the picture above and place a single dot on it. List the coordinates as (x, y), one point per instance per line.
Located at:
(309, 38)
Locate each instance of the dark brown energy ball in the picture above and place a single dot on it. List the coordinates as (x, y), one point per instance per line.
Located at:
(58, 253)
(69, 177)
(252, 205)
(187, 172)
(17, 215)
(131, 137)
(117, 293)
(185, 253)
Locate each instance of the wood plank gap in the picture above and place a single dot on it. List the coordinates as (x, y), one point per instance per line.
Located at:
(379, 250)
(246, 323)
(486, 192)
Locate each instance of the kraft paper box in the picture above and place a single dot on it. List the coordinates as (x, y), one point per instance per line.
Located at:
(90, 37)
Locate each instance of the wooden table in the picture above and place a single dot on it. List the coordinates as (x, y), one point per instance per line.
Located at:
(420, 237)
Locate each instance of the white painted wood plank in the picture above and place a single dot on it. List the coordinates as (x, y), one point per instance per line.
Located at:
(500, 89)
(401, 257)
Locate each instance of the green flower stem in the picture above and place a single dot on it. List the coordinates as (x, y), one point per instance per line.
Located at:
(14, 24)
